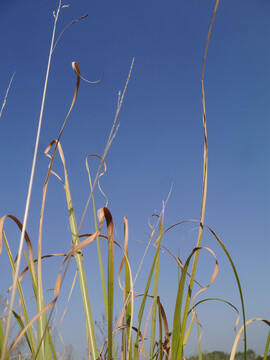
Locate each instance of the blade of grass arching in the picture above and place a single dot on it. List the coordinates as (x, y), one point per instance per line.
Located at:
(30, 336)
(205, 172)
(266, 347)
(2, 337)
(127, 291)
(156, 279)
(239, 288)
(238, 336)
(30, 188)
(179, 337)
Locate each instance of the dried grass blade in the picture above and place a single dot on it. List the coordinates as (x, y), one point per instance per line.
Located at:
(238, 336)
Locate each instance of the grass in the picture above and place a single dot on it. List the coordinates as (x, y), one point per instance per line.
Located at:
(166, 341)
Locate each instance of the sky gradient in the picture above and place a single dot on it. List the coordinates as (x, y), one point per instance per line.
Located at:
(159, 142)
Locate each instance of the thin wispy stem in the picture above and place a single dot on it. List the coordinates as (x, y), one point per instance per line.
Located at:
(5, 98)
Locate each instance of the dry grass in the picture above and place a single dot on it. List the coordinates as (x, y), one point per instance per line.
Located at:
(167, 340)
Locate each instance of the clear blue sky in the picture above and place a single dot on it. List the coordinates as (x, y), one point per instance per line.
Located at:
(160, 140)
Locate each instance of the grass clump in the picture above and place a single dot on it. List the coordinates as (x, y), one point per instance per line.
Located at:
(166, 341)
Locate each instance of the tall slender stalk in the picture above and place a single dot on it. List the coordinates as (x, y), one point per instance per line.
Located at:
(205, 173)
(26, 212)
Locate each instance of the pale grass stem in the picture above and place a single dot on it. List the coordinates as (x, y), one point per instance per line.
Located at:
(29, 190)
(5, 98)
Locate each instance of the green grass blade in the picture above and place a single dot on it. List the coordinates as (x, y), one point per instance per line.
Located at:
(266, 347)
(52, 347)
(178, 333)
(79, 260)
(142, 307)
(101, 268)
(239, 287)
(21, 325)
(104, 212)
(160, 334)
(2, 336)
(83, 284)
(156, 279)
(110, 230)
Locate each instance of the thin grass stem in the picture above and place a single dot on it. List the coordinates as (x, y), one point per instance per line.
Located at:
(26, 212)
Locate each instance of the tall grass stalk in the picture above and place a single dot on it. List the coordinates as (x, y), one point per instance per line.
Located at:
(29, 188)
(205, 173)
